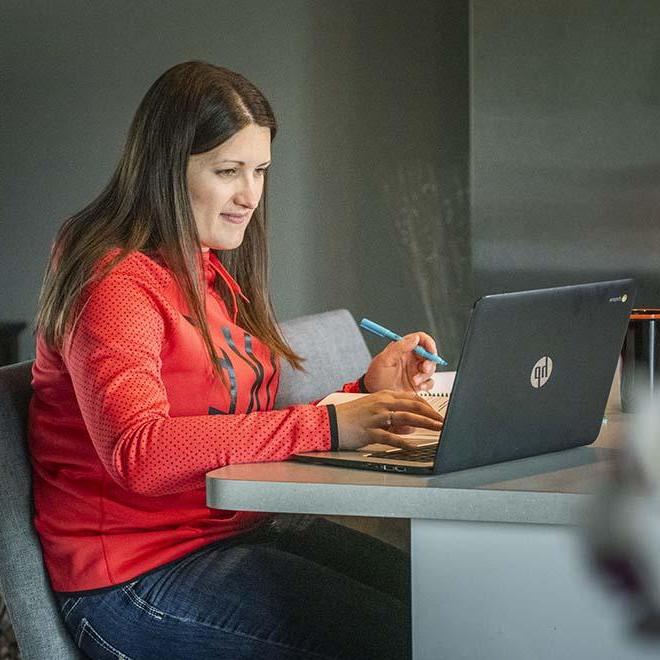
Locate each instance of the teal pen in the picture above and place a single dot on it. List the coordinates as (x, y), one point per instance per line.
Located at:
(388, 334)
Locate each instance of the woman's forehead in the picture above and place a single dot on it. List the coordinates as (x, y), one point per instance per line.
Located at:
(248, 146)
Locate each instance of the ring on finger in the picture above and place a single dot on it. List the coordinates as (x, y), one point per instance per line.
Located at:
(390, 419)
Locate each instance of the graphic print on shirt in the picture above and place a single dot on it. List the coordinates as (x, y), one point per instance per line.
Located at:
(225, 363)
(270, 382)
(260, 371)
(255, 366)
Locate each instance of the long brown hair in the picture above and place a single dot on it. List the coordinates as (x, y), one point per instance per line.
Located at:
(192, 108)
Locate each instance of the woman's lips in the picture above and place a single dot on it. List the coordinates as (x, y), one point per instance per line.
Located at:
(234, 218)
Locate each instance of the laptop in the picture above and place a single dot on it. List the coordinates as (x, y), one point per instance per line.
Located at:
(534, 376)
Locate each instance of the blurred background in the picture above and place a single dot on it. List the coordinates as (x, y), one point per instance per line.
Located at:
(429, 151)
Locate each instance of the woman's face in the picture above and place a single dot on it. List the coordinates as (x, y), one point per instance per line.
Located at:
(225, 186)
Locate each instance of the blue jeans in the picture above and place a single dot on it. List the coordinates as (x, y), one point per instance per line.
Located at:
(318, 590)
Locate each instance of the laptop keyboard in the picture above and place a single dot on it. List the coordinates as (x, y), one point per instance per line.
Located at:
(425, 453)
(419, 454)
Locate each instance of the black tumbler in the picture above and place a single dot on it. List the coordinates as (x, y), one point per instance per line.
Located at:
(639, 356)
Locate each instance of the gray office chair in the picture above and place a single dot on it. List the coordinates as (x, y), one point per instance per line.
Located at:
(335, 353)
(23, 581)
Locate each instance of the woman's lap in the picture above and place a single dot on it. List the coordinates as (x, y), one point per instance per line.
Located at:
(324, 591)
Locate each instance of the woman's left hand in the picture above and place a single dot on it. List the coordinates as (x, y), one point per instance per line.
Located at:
(397, 368)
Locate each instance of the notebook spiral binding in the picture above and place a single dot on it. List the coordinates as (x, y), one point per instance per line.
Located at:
(437, 400)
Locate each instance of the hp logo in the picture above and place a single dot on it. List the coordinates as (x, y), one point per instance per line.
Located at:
(541, 372)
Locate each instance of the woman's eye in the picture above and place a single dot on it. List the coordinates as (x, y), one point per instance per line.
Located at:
(261, 170)
(229, 172)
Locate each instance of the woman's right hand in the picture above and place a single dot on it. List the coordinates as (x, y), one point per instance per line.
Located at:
(385, 418)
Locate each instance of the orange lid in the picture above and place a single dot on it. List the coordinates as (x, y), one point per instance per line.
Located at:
(645, 313)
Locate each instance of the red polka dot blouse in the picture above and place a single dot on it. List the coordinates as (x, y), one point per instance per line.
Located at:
(126, 420)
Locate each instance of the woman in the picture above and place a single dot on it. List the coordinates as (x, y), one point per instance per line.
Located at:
(157, 354)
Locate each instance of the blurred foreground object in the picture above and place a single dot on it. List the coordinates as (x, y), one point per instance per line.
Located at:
(623, 530)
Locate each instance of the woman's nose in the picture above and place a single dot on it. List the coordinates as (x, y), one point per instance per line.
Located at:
(249, 193)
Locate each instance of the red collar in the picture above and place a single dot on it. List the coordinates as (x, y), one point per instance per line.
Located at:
(212, 268)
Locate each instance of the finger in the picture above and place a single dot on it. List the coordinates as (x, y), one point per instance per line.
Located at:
(385, 420)
(415, 363)
(402, 429)
(402, 418)
(427, 342)
(428, 367)
(416, 369)
(415, 404)
(391, 355)
(422, 379)
(387, 438)
(406, 344)
(426, 385)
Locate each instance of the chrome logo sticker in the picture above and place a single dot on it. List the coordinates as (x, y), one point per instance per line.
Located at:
(541, 372)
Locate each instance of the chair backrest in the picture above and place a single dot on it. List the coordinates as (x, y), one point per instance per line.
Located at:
(23, 580)
(334, 352)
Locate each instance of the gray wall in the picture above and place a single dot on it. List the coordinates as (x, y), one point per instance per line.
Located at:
(372, 103)
(370, 180)
(565, 143)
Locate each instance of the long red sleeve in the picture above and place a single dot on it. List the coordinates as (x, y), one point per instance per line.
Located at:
(125, 423)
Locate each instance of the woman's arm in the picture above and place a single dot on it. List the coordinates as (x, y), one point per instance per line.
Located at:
(114, 360)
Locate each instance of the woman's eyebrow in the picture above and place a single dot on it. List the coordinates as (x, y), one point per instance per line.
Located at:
(240, 162)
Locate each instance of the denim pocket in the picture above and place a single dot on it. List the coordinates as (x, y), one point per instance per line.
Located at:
(137, 601)
(94, 646)
(67, 606)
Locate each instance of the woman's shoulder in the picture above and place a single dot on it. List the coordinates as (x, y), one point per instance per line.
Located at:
(147, 269)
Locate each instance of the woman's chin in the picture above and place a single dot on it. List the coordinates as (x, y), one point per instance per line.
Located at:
(224, 244)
